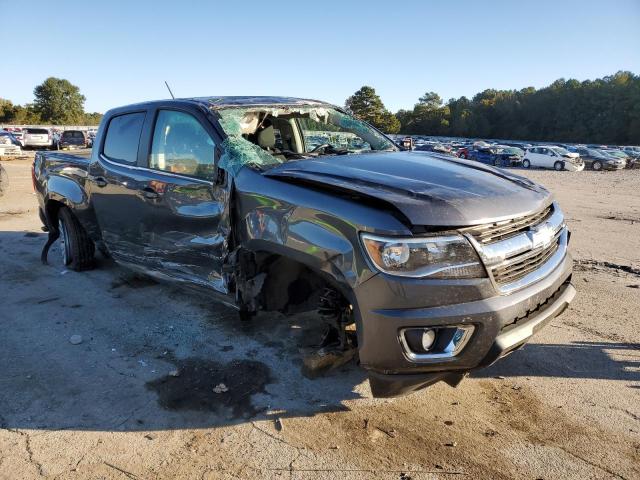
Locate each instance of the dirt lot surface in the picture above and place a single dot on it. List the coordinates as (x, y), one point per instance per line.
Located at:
(135, 398)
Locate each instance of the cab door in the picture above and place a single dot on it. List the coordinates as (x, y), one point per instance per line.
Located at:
(184, 221)
(114, 185)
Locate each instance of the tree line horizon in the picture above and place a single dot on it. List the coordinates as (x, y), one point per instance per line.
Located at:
(605, 110)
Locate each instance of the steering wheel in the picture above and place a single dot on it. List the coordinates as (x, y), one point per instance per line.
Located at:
(324, 145)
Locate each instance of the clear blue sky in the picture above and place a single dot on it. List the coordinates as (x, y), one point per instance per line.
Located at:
(120, 52)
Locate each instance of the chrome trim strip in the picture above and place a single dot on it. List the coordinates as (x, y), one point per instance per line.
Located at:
(151, 170)
(496, 253)
(530, 243)
(526, 255)
(544, 270)
(451, 351)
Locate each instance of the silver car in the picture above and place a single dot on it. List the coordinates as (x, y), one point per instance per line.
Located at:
(37, 137)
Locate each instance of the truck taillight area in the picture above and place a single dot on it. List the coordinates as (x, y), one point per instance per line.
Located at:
(33, 175)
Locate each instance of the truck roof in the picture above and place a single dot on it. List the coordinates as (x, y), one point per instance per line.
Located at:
(238, 101)
(248, 101)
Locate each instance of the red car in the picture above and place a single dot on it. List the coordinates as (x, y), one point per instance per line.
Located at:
(463, 152)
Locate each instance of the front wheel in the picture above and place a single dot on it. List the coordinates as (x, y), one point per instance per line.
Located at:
(558, 166)
(76, 248)
(597, 165)
(526, 163)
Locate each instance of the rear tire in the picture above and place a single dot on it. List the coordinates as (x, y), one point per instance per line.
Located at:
(597, 166)
(558, 166)
(526, 163)
(76, 247)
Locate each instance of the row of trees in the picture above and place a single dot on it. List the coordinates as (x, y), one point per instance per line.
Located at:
(605, 110)
(56, 101)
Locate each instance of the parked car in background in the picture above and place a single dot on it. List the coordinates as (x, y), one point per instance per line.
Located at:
(12, 138)
(433, 147)
(632, 151)
(73, 139)
(520, 145)
(463, 152)
(482, 154)
(618, 154)
(597, 160)
(37, 138)
(9, 144)
(498, 155)
(17, 133)
(554, 157)
(509, 156)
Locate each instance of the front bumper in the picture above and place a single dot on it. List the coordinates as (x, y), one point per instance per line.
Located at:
(385, 305)
(573, 167)
(613, 166)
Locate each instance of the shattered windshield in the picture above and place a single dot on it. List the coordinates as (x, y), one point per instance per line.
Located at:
(264, 137)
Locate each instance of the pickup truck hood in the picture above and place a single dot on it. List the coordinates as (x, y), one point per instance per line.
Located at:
(428, 189)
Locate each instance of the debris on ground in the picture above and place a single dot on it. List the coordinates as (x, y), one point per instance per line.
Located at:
(318, 362)
(278, 424)
(220, 388)
(75, 339)
(174, 373)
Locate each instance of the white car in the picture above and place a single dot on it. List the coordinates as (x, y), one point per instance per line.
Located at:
(7, 145)
(37, 138)
(554, 157)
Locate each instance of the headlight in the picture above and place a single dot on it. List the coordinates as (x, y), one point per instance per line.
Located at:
(450, 256)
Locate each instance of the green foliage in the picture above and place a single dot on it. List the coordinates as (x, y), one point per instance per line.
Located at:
(605, 110)
(92, 118)
(366, 105)
(10, 113)
(58, 101)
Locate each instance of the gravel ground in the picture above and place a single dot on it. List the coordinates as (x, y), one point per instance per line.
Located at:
(135, 398)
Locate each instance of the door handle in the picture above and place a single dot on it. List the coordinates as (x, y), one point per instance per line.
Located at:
(100, 181)
(149, 193)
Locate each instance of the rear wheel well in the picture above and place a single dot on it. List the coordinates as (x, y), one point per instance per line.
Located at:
(51, 209)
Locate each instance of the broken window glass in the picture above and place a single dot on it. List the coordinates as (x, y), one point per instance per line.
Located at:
(263, 137)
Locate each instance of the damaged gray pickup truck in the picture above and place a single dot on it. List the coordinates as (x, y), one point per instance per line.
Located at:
(428, 266)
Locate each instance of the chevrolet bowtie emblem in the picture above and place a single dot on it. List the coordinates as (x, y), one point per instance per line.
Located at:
(540, 235)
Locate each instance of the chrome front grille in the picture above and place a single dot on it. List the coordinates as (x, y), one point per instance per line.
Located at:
(493, 232)
(523, 250)
(522, 265)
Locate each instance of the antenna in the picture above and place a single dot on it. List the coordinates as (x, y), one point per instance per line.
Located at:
(169, 88)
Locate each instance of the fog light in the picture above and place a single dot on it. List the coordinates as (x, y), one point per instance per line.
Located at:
(428, 338)
(436, 343)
